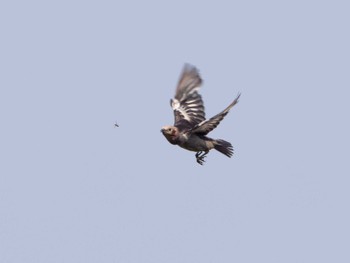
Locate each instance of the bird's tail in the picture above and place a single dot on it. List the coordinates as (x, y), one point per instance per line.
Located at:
(224, 147)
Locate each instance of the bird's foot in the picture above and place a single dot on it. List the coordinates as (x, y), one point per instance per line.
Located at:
(200, 157)
(200, 160)
(198, 154)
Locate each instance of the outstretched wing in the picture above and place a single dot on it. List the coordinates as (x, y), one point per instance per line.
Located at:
(188, 104)
(207, 126)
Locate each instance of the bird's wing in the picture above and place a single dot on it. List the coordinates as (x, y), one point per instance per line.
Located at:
(207, 126)
(188, 104)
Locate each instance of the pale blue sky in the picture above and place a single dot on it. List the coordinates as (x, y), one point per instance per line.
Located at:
(75, 189)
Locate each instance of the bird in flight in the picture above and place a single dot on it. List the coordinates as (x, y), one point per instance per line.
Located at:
(190, 127)
(116, 125)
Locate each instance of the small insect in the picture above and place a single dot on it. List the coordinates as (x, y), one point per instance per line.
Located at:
(116, 125)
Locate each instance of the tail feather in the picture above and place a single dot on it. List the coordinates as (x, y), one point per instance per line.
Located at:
(224, 147)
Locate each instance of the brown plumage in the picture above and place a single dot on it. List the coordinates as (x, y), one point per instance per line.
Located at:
(190, 128)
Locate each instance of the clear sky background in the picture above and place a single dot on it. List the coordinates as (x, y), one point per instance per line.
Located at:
(73, 188)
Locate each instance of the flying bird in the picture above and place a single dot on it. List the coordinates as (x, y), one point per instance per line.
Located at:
(190, 128)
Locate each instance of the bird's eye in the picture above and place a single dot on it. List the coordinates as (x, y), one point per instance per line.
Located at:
(169, 129)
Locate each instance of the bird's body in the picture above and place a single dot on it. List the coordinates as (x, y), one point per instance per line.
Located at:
(197, 143)
(191, 127)
(190, 141)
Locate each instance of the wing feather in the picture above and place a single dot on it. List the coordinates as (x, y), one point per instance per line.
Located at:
(207, 126)
(187, 103)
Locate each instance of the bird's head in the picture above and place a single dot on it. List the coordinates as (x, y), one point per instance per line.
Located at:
(170, 132)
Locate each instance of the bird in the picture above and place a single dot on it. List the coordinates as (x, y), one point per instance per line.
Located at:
(190, 127)
(116, 125)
